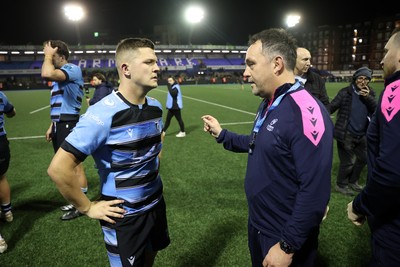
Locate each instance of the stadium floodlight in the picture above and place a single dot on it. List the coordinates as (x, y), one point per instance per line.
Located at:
(292, 20)
(193, 15)
(75, 13)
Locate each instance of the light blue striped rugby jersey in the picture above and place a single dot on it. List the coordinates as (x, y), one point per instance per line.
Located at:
(5, 107)
(124, 140)
(66, 96)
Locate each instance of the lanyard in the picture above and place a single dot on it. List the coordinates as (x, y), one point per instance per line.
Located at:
(274, 104)
(260, 121)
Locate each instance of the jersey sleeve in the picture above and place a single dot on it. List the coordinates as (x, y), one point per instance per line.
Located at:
(90, 132)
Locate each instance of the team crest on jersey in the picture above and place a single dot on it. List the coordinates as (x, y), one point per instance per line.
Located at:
(270, 126)
(108, 102)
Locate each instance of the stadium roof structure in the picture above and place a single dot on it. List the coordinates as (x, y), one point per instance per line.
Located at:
(22, 50)
(27, 59)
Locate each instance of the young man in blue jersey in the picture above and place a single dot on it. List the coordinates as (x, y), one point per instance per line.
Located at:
(379, 201)
(123, 134)
(5, 192)
(65, 104)
(288, 177)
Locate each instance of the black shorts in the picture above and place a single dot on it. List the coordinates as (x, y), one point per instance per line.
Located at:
(4, 154)
(129, 238)
(60, 131)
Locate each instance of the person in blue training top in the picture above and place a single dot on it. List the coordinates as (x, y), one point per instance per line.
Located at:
(174, 106)
(65, 104)
(379, 201)
(102, 88)
(123, 134)
(290, 150)
(5, 192)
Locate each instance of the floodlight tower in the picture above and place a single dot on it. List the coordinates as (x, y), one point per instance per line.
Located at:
(75, 13)
(193, 15)
(292, 20)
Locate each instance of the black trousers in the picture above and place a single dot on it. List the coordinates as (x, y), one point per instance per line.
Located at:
(177, 114)
(353, 158)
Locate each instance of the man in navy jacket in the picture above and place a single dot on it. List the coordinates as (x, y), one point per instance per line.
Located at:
(379, 201)
(103, 88)
(288, 177)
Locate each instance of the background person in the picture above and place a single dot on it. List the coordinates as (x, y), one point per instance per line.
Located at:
(174, 106)
(102, 88)
(289, 163)
(379, 201)
(123, 134)
(65, 104)
(5, 192)
(312, 81)
(355, 104)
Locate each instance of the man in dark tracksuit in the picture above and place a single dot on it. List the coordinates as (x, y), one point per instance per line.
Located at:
(379, 201)
(289, 163)
(287, 179)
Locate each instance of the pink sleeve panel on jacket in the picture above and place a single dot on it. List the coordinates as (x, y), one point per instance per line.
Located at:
(313, 122)
(391, 100)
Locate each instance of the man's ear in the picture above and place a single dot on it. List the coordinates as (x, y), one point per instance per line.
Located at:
(278, 64)
(125, 70)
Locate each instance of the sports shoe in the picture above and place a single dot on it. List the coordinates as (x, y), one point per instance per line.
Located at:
(72, 214)
(181, 134)
(7, 216)
(355, 187)
(344, 190)
(3, 245)
(67, 207)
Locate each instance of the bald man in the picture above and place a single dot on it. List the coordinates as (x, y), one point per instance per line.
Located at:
(311, 80)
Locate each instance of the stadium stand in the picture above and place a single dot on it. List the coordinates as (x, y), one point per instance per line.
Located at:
(20, 65)
(20, 70)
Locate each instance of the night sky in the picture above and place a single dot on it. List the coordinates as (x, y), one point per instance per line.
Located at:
(226, 21)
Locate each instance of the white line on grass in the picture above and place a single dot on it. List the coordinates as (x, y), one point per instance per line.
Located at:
(215, 104)
(195, 99)
(218, 105)
(222, 106)
(26, 137)
(34, 111)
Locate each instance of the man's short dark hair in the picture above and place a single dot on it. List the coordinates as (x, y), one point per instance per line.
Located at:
(277, 41)
(132, 43)
(62, 48)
